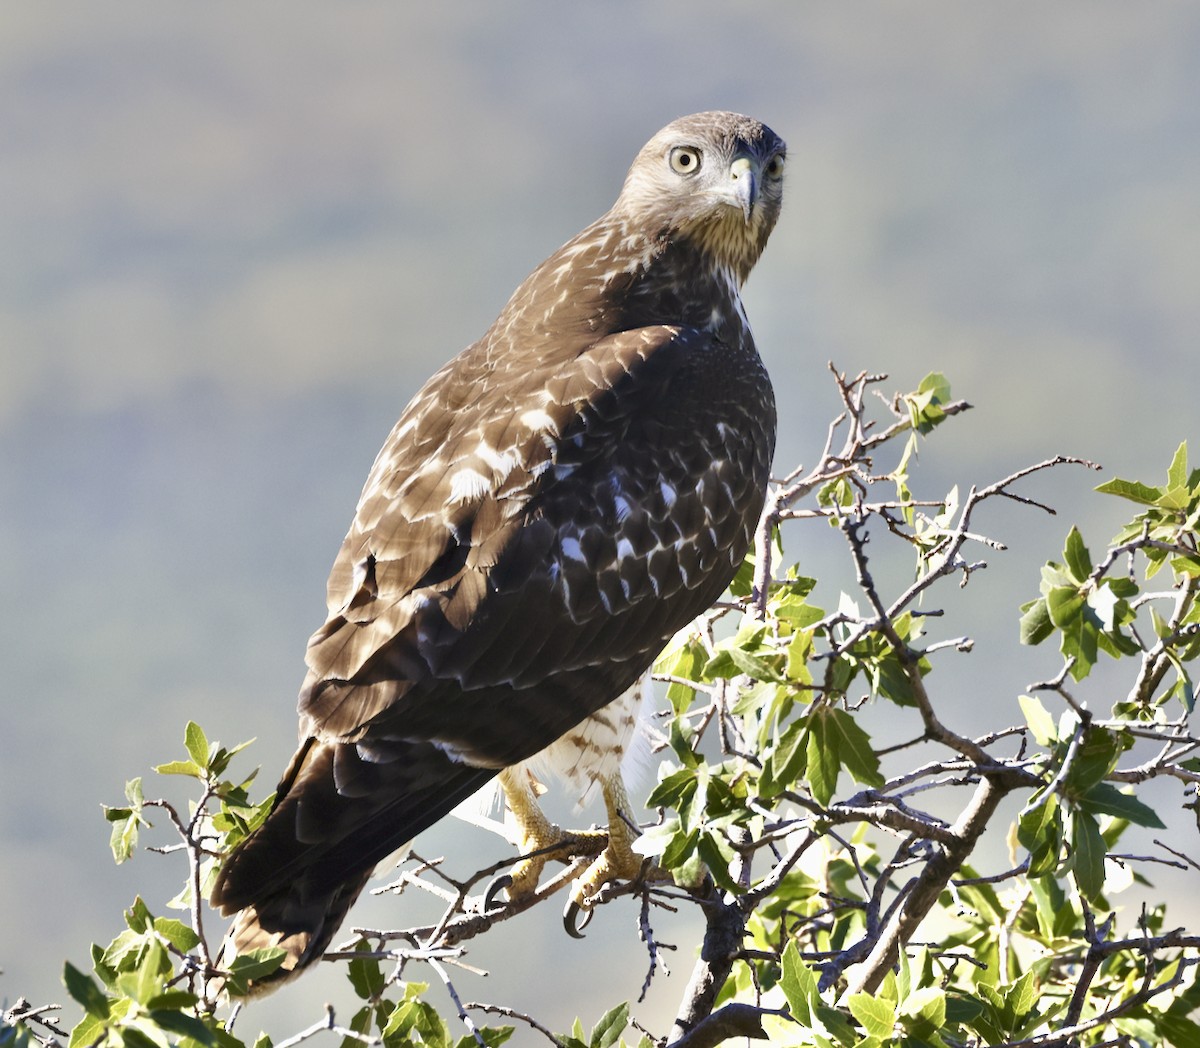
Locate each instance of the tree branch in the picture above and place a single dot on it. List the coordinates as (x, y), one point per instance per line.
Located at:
(733, 1020)
(932, 880)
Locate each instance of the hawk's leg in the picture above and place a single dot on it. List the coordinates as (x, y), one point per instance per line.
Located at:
(616, 860)
(538, 838)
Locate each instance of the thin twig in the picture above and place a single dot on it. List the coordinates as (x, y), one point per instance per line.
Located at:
(512, 1013)
(328, 1023)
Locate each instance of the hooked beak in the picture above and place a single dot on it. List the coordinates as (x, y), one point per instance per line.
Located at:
(742, 187)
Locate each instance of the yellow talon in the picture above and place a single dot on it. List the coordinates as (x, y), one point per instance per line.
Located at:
(534, 833)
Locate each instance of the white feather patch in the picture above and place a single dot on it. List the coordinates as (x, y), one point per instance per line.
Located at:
(467, 484)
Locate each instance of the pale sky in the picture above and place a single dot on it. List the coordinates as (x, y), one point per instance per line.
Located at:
(233, 244)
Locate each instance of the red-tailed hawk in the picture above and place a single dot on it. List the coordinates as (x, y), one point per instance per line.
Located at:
(551, 507)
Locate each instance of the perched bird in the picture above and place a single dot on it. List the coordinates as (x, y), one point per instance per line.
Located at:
(553, 505)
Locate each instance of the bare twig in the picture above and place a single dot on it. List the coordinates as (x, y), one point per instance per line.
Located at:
(195, 853)
(467, 1021)
(512, 1013)
(22, 1013)
(328, 1023)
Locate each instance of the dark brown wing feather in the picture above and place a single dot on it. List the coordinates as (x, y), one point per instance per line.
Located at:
(624, 531)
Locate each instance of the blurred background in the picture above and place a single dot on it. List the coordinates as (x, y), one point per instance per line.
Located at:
(234, 242)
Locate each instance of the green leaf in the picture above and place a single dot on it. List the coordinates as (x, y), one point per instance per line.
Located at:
(134, 1035)
(924, 405)
(608, 1030)
(123, 839)
(88, 1031)
(838, 492)
(146, 981)
(926, 1006)
(196, 743)
(841, 1029)
(173, 1000)
(366, 975)
(936, 385)
(1179, 1031)
(888, 674)
(254, 964)
(1039, 830)
(786, 761)
(674, 789)
(1177, 472)
(799, 985)
(138, 916)
(121, 955)
(184, 1025)
(85, 991)
(682, 845)
(1022, 995)
(1035, 622)
(681, 743)
(799, 650)
(426, 1021)
(126, 822)
(1088, 859)
(180, 768)
(1175, 498)
(654, 840)
(855, 750)
(904, 975)
(1106, 799)
(1064, 604)
(403, 1018)
(822, 757)
(718, 855)
(493, 1037)
(792, 607)
(732, 660)
(743, 578)
(1131, 490)
(1095, 758)
(962, 1009)
(687, 662)
(176, 933)
(1076, 555)
(133, 793)
(693, 812)
(878, 1017)
(1064, 916)
(1039, 720)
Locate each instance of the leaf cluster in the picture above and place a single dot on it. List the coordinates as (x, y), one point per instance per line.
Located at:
(837, 872)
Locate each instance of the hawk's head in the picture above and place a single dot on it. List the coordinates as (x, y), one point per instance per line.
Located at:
(713, 178)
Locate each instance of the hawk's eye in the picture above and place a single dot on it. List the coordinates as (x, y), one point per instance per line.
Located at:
(685, 160)
(774, 167)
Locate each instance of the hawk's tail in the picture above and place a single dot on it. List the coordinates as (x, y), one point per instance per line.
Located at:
(303, 927)
(337, 813)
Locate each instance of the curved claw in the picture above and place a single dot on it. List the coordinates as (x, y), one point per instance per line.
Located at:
(497, 885)
(571, 922)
